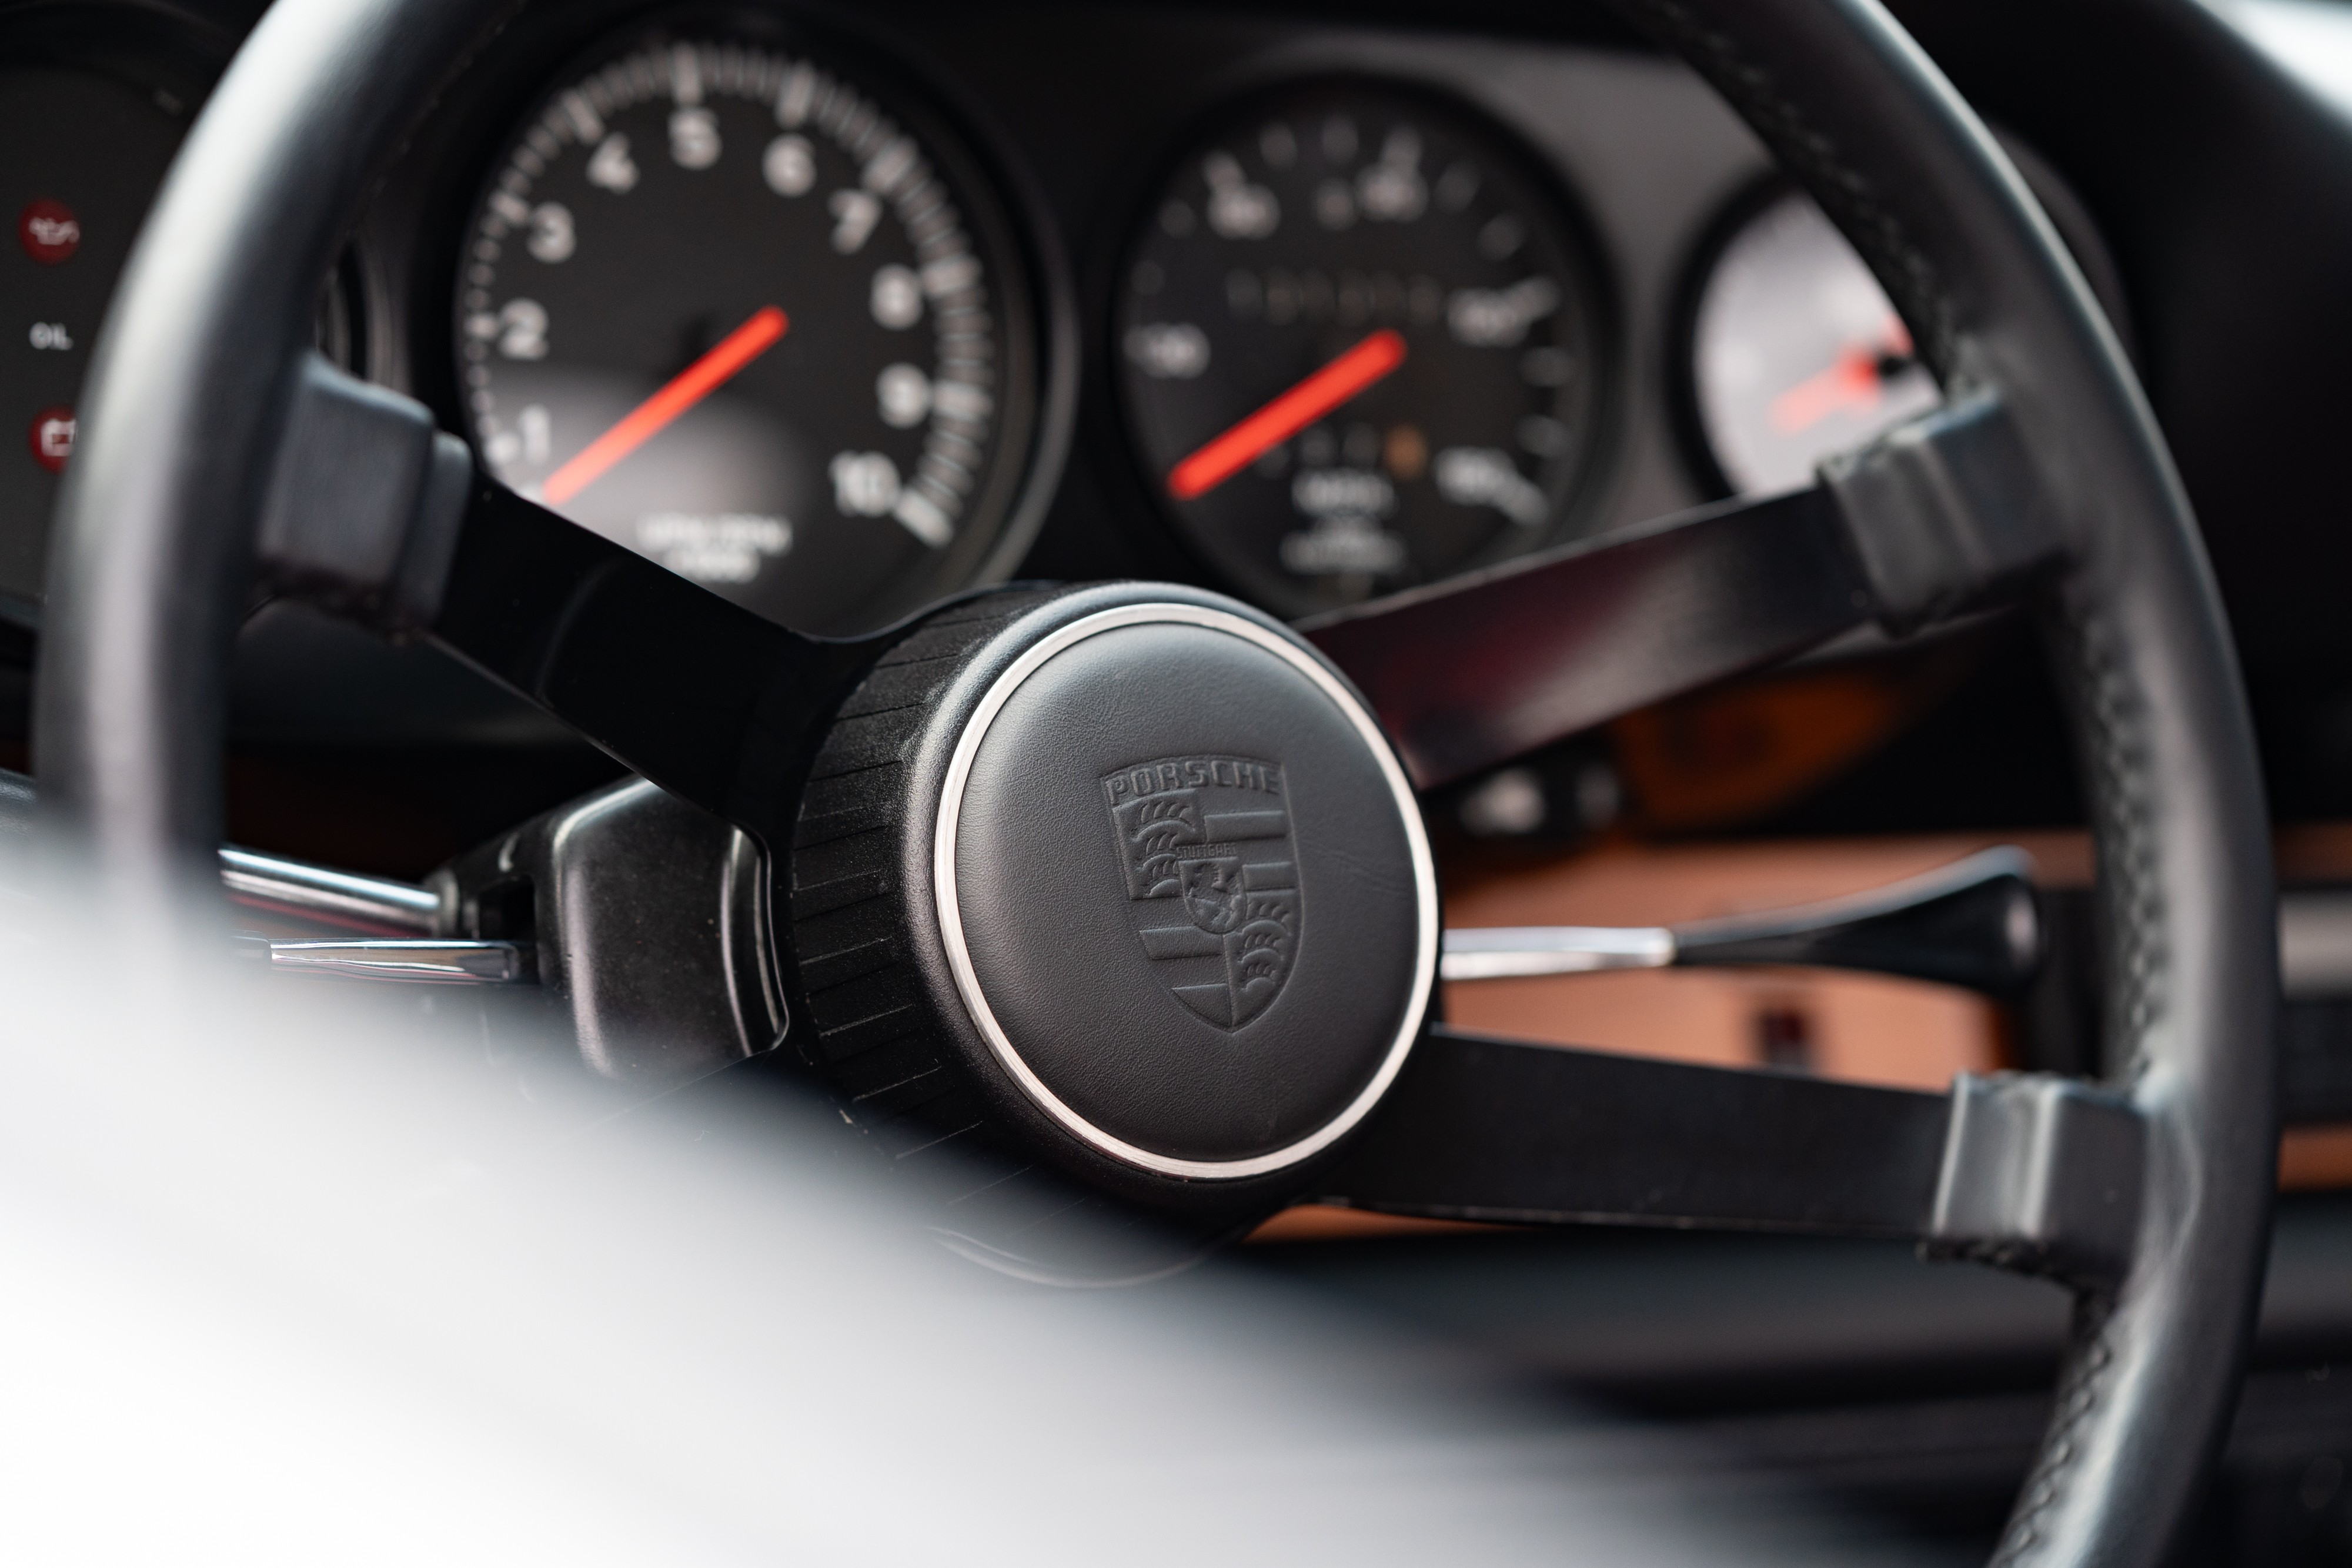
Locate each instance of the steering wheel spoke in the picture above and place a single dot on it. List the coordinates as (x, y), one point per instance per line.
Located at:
(1935, 517)
(1492, 1129)
(2027, 1171)
(715, 703)
(374, 515)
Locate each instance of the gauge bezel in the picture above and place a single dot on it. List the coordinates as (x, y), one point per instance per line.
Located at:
(160, 48)
(1729, 220)
(1036, 328)
(1266, 87)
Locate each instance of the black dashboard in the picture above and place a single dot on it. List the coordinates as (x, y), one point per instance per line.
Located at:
(835, 311)
(842, 309)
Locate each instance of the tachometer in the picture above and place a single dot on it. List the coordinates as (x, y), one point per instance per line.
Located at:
(1362, 345)
(728, 307)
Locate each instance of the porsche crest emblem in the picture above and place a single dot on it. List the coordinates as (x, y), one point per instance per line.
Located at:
(1212, 879)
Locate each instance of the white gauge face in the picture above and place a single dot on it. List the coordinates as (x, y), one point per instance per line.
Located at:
(1796, 352)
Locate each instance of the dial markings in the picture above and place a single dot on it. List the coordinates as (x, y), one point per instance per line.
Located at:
(718, 172)
(1299, 233)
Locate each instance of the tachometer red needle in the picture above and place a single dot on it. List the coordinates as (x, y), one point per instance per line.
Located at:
(690, 386)
(1286, 416)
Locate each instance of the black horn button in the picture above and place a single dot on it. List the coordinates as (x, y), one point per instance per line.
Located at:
(1162, 892)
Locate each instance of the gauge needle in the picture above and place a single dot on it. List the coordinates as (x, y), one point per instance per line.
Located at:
(1853, 382)
(689, 387)
(1286, 416)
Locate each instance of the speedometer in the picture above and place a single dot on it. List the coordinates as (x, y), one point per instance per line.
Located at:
(737, 311)
(1363, 346)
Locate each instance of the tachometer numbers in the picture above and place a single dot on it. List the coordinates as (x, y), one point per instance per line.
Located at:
(722, 304)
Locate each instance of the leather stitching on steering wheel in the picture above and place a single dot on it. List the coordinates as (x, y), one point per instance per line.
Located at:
(2112, 730)
(2115, 752)
(2080, 1385)
(1810, 154)
(2113, 740)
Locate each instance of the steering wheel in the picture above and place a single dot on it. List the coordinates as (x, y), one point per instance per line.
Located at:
(1127, 884)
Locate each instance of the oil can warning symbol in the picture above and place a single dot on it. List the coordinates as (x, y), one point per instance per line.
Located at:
(52, 438)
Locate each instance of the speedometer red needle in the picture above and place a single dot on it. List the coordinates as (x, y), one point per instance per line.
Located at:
(689, 387)
(1345, 377)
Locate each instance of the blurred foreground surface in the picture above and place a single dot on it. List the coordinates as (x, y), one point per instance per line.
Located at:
(294, 1278)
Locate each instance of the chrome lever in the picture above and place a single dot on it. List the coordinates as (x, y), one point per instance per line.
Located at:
(1973, 923)
(276, 885)
(441, 962)
(1511, 952)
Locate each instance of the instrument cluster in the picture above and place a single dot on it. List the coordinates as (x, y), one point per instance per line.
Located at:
(85, 138)
(837, 316)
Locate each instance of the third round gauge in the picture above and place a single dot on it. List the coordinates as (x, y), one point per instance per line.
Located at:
(1794, 352)
(1362, 345)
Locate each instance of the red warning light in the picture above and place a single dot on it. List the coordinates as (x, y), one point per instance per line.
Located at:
(52, 438)
(50, 230)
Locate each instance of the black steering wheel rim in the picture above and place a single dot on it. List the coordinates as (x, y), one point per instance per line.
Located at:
(199, 360)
